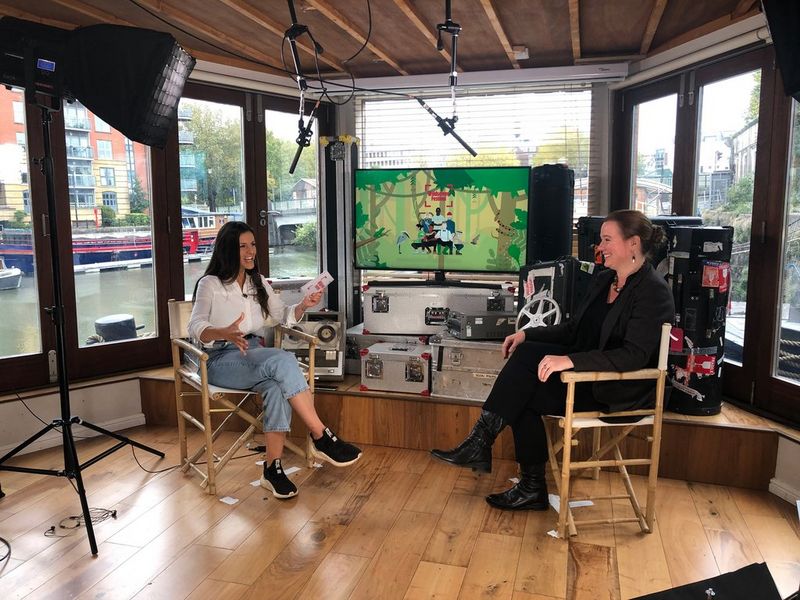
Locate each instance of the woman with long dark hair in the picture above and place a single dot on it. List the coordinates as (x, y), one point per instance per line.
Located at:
(233, 303)
(616, 328)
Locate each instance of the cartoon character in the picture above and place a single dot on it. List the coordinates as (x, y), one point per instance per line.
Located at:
(458, 241)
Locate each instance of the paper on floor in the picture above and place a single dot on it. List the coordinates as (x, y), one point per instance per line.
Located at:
(555, 502)
(291, 470)
(229, 500)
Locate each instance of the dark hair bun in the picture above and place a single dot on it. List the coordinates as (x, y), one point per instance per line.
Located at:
(658, 236)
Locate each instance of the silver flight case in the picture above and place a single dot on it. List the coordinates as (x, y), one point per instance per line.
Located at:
(462, 369)
(357, 340)
(394, 367)
(423, 309)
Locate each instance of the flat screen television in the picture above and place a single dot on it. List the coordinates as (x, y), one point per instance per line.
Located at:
(442, 219)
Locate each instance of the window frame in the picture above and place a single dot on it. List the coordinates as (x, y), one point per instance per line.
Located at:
(750, 385)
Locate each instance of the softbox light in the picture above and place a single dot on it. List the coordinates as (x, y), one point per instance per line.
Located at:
(131, 78)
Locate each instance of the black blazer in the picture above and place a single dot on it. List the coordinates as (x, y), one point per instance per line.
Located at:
(629, 336)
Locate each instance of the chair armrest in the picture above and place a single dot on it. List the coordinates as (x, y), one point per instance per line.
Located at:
(312, 340)
(582, 376)
(191, 348)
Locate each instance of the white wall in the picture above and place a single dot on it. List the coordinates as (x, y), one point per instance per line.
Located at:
(113, 406)
(786, 482)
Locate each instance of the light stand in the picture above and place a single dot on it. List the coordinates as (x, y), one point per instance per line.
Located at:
(72, 468)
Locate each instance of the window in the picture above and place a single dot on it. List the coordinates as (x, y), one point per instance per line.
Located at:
(21, 140)
(104, 151)
(101, 126)
(110, 199)
(19, 112)
(81, 199)
(107, 177)
(26, 201)
(652, 159)
(212, 180)
(293, 234)
(79, 174)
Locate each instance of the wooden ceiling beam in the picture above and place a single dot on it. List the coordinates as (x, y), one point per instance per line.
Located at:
(575, 29)
(207, 31)
(92, 12)
(411, 12)
(743, 7)
(10, 11)
(258, 17)
(348, 27)
(491, 14)
(652, 26)
(704, 29)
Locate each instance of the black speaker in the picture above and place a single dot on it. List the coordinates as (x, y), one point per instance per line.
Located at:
(783, 17)
(552, 197)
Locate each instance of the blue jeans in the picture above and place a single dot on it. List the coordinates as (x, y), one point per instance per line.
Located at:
(271, 372)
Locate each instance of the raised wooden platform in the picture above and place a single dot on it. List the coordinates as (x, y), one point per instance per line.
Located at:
(733, 448)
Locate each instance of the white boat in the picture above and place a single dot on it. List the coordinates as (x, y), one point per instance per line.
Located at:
(10, 277)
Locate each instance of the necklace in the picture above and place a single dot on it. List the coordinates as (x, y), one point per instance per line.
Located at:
(616, 286)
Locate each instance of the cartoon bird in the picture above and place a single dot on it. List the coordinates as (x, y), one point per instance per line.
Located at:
(400, 239)
(474, 241)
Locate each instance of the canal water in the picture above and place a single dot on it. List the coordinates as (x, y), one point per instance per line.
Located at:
(106, 293)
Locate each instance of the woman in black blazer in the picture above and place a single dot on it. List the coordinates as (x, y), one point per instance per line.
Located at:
(616, 328)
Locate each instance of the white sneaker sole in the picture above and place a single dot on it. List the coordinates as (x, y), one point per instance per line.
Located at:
(322, 456)
(265, 483)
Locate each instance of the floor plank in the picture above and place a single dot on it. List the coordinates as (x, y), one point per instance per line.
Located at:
(454, 538)
(592, 572)
(542, 566)
(433, 581)
(184, 575)
(334, 578)
(491, 570)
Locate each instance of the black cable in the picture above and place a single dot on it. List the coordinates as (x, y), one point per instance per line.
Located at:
(58, 429)
(7, 555)
(255, 61)
(369, 34)
(97, 515)
(173, 467)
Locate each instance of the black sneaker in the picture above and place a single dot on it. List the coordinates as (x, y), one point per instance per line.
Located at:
(333, 450)
(276, 481)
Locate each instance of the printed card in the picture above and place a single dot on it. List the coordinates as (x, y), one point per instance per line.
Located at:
(319, 283)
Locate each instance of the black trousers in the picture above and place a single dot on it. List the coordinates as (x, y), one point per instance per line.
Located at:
(521, 399)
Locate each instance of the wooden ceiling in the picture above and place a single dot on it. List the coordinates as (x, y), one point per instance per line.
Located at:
(248, 33)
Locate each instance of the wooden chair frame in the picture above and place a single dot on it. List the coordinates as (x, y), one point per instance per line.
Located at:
(217, 400)
(572, 422)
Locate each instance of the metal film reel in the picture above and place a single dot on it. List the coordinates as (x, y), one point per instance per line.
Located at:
(540, 311)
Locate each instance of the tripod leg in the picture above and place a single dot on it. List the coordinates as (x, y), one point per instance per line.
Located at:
(73, 469)
(122, 438)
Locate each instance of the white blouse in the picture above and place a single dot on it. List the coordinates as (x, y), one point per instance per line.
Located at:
(218, 304)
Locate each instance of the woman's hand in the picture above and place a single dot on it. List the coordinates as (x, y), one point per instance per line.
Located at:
(553, 364)
(311, 300)
(511, 342)
(234, 335)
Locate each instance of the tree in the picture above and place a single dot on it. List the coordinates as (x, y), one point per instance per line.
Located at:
(755, 98)
(107, 216)
(305, 235)
(218, 140)
(495, 158)
(567, 145)
(20, 218)
(138, 198)
(280, 153)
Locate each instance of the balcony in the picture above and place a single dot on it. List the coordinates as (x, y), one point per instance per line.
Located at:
(185, 113)
(72, 122)
(80, 152)
(185, 137)
(188, 160)
(188, 185)
(81, 181)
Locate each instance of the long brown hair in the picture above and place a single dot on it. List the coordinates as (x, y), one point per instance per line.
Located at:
(225, 261)
(634, 222)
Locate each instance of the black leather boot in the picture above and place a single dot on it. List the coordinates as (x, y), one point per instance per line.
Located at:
(529, 494)
(475, 451)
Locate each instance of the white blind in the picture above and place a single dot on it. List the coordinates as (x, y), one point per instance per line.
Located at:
(530, 127)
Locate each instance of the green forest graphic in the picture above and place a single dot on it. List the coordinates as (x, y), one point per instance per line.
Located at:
(473, 219)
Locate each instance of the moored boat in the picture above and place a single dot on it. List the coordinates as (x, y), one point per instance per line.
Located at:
(10, 277)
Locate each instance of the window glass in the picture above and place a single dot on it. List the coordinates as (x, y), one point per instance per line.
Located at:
(211, 154)
(653, 155)
(112, 249)
(292, 200)
(726, 161)
(20, 329)
(787, 363)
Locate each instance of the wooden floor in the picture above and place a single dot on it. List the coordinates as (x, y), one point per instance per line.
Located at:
(395, 525)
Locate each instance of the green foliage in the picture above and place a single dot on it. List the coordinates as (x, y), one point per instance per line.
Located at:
(740, 197)
(138, 198)
(494, 180)
(20, 219)
(108, 216)
(305, 235)
(755, 98)
(521, 222)
(135, 220)
(571, 148)
(361, 217)
(377, 177)
(485, 158)
(280, 153)
(219, 141)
